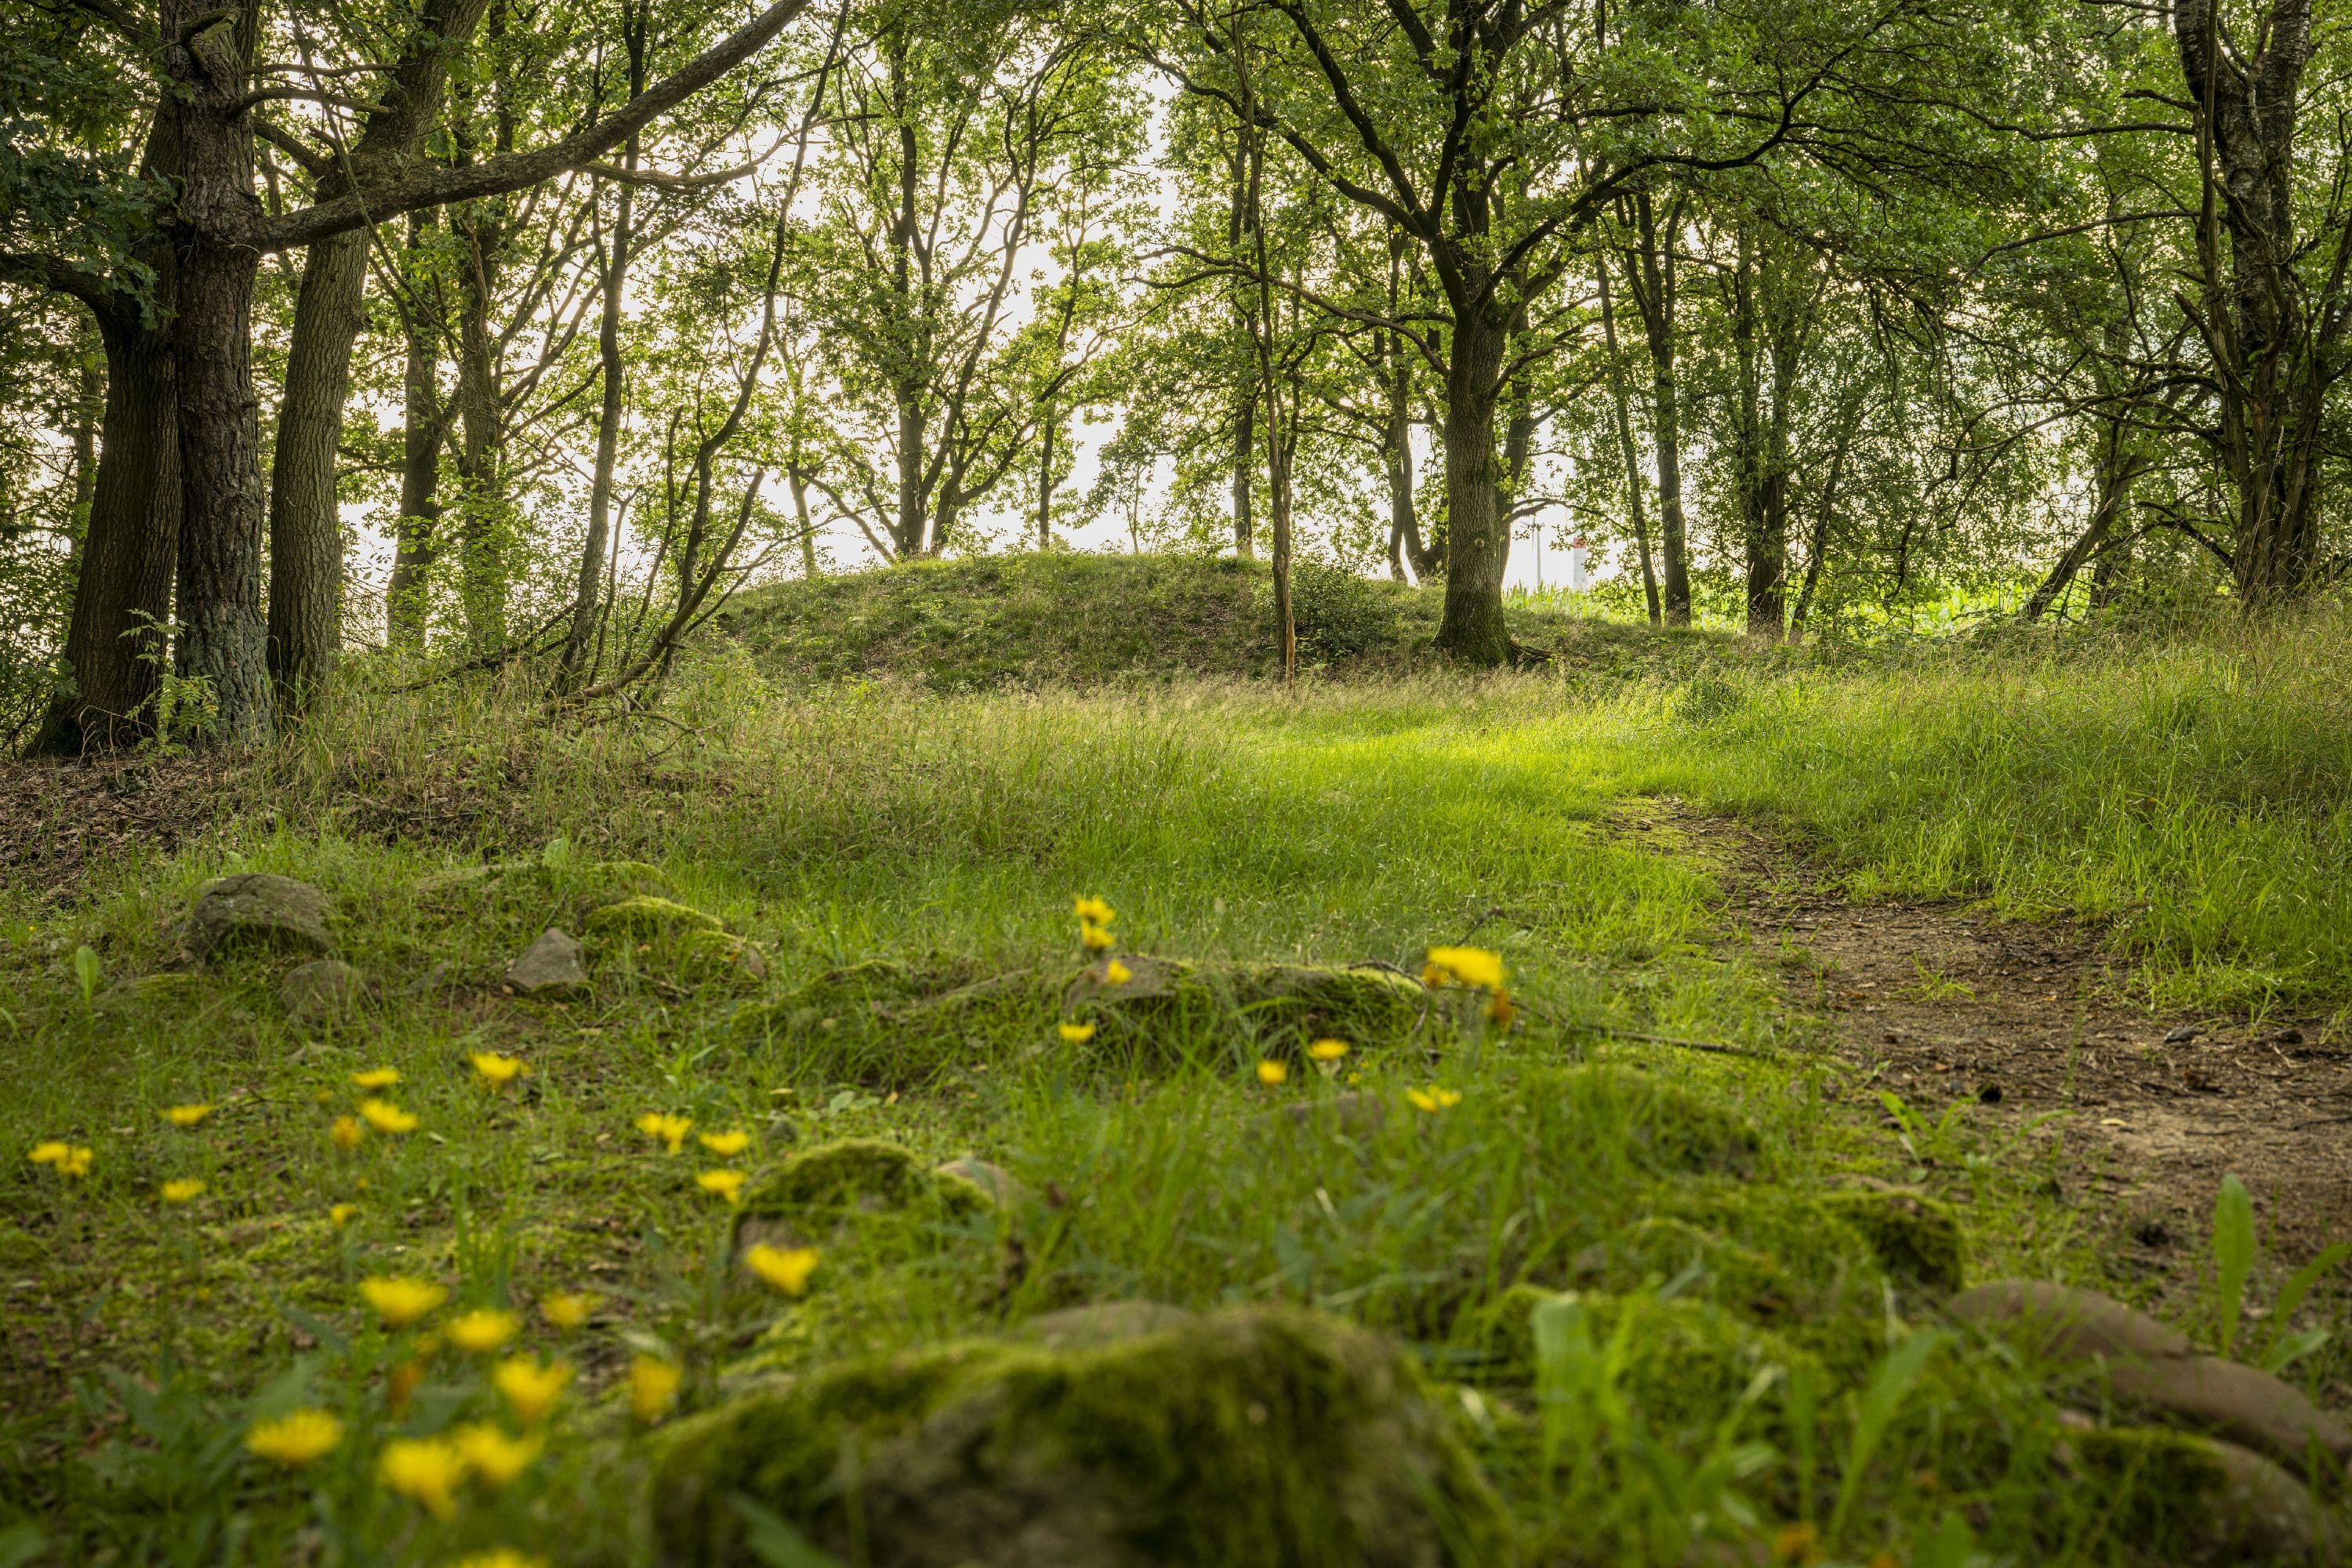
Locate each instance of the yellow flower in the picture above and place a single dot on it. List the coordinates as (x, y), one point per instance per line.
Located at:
(400, 1301)
(387, 1117)
(670, 1130)
(1473, 966)
(1093, 911)
(50, 1153)
(186, 1115)
(377, 1077)
(1117, 974)
(1327, 1050)
(496, 1070)
(493, 1456)
(427, 1470)
(726, 1145)
(341, 1214)
(346, 1133)
(530, 1389)
(1433, 1099)
(295, 1438)
(785, 1267)
(1077, 1034)
(1271, 1073)
(481, 1330)
(76, 1162)
(567, 1310)
(1500, 1009)
(653, 1386)
(500, 1557)
(727, 1185)
(184, 1190)
(1095, 939)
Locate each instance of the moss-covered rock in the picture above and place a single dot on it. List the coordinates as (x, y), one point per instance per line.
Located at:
(1662, 1126)
(2182, 1499)
(1915, 1238)
(646, 916)
(1659, 1248)
(863, 1173)
(715, 957)
(1265, 1436)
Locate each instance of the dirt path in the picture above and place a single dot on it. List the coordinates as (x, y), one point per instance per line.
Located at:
(1939, 1002)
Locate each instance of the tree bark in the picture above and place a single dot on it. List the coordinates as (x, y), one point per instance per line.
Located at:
(2116, 472)
(614, 372)
(1653, 294)
(424, 424)
(1477, 542)
(1625, 448)
(1238, 229)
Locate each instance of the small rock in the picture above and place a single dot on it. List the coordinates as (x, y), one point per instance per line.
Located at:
(1004, 1189)
(551, 966)
(322, 989)
(255, 908)
(2183, 1035)
(1099, 1323)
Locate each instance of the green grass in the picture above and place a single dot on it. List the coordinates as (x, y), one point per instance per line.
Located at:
(848, 822)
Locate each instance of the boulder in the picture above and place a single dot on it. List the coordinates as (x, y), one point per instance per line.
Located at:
(322, 989)
(2192, 1499)
(258, 909)
(551, 966)
(2144, 1362)
(1263, 1435)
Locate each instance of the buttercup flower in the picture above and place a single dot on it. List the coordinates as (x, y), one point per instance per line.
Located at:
(1095, 939)
(186, 1115)
(785, 1267)
(530, 1389)
(653, 1386)
(400, 1301)
(346, 1133)
(341, 1214)
(568, 1311)
(500, 1557)
(1077, 1034)
(494, 1457)
(481, 1330)
(185, 1189)
(1272, 1073)
(497, 1069)
(387, 1117)
(295, 1439)
(670, 1130)
(1433, 1098)
(1471, 966)
(1094, 911)
(1117, 974)
(1327, 1050)
(377, 1077)
(425, 1471)
(726, 1145)
(76, 1162)
(727, 1185)
(49, 1152)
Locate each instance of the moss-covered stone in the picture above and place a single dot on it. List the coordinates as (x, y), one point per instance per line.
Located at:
(858, 1173)
(1265, 1436)
(646, 916)
(2181, 1498)
(1915, 1238)
(715, 957)
(1663, 1127)
(1659, 1248)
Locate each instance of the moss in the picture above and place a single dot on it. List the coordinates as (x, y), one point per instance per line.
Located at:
(1665, 1129)
(1659, 1248)
(2177, 1497)
(860, 1173)
(1264, 1436)
(646, 916)
(718, 957)
(1915, 1238)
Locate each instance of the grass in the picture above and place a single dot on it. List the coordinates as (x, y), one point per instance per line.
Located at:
(941, 833)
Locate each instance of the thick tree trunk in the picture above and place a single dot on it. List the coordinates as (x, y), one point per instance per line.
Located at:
(122, 593)
(306, 544)
(1654, 293)
(1625, 448)
(425, 424)
(1477, 543)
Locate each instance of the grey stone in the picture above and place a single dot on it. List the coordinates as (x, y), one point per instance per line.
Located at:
(1004, 1189)
(255, 908)
(551, 966)
(322, 989)
(2146, 1363)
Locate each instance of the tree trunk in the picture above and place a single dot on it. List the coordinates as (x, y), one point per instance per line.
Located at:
(482, 543)
(424, 425)
(1653, 294)
(1625, 450)
(306, 536)
(608, 441)
(1477, 542)
(797, 477)
(2117, 470)
(122, 594)
(1396, 455)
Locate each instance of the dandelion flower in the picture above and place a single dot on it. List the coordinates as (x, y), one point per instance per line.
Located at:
(425, 1471)
(1078, 1033)
(346, 1133)
(295, 1439)
(530, 1389)
(727, 1185)
(498, 1070)
(341, 1214)
(1093, 911)
(567, 1310)
(76, 1162)
(186, 1115)
(653, 1387)
(1095, 939)
(1271, 1073)
(670, 1130)
(726, 1145)
(49, 1152)
(185, 1189)
(1327, 1050)
(1117, 974)
(377, 1077)
(785, 1267)
(500, 1557)
(387, 1117)
(1434, 1099)
(492, 1456)
(399, 1300)
(1471, 967)
(481, 1330)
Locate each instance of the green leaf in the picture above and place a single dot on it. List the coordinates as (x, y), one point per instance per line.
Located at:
(2234, 1254)
(1890, 1383)
(775, 1542)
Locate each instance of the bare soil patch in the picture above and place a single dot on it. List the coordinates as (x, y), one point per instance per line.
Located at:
(1945, 1001)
